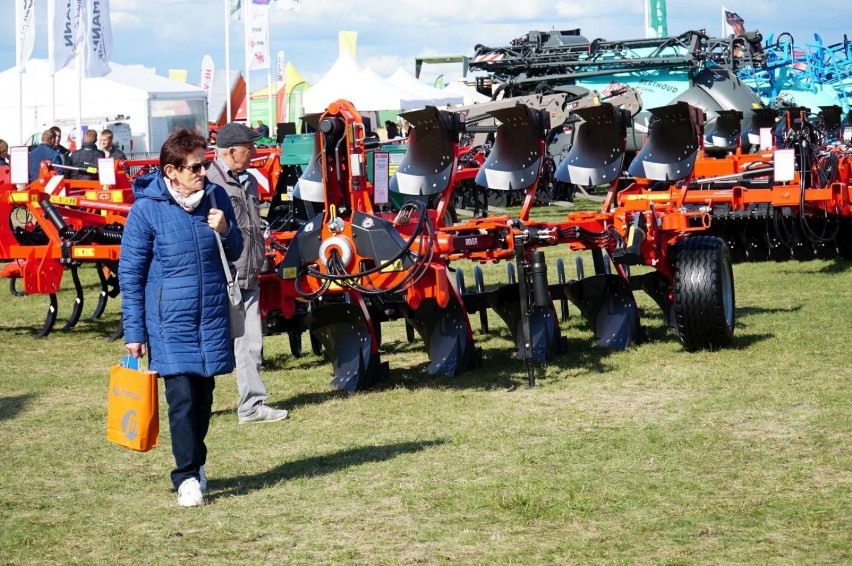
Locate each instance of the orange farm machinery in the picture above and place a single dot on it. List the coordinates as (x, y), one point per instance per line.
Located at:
(367, 253)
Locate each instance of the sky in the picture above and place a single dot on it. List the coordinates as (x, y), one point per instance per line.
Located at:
(176, 34)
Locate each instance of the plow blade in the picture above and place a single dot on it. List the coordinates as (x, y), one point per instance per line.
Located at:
(546, 338)
(427, 165)
(447, 335)
(607, 302)
(515, 160)
(597, 154)
(761, 118)
(672, 146)
(725, 134)
(348, 338)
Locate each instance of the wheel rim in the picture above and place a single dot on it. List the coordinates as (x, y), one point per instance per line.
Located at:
(728, 294)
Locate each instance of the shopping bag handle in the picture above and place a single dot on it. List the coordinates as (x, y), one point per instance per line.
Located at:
(130, 362)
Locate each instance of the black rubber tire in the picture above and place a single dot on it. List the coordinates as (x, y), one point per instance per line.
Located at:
(704, 299)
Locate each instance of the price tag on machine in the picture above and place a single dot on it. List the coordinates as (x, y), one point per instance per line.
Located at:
(380, 177)
(785, 164)
(106, 171)
(19, 161)
(765, 138)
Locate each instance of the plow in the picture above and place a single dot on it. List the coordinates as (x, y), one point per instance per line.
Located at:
(361, 261)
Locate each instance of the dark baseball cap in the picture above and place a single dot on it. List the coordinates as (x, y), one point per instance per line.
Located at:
(235, 133)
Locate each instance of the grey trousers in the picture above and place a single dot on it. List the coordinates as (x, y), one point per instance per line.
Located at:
(247, 351)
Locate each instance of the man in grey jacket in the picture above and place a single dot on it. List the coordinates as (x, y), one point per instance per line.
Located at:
(235, 148)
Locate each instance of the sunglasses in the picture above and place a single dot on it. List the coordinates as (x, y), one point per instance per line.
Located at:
(197, 167)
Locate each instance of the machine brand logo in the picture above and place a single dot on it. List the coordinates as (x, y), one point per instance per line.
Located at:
(130, 425)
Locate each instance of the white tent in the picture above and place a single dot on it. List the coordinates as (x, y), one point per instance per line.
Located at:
(151, 104)
(430, 95)
(470, 95)
(365, 90)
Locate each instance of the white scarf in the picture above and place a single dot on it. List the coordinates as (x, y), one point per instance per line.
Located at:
(189, 203)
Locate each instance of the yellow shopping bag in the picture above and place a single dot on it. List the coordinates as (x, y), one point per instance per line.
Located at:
(133, 412)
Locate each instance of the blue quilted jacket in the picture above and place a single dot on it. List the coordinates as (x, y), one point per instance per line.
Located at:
(172, 283)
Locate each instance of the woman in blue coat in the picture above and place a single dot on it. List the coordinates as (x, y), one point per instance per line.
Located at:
(174, 301)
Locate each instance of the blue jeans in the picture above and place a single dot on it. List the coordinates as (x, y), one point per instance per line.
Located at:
(190, 399)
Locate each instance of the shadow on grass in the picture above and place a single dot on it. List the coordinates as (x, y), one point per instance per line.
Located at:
(748, 311)
(282, 361)
(314, 466)
(11, 406)
(837, 266)
(742, 341)
(85, 328)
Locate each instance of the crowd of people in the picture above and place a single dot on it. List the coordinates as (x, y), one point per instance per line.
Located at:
(174, 302)
(80, 164)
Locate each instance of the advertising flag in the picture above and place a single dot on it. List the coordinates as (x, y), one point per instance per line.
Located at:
(24, 32)
(206, 74)
(732, 23)
(236, 11)
(64, 32)
(657, 21)
(97, 44)
(258, 36)
(347, 41)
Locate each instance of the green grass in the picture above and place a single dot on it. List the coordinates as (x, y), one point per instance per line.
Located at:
(648, 456)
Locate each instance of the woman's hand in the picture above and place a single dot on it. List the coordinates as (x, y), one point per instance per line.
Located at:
(216, 220)
(136, 349)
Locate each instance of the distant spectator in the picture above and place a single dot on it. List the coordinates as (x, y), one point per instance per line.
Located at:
(4, 153)
(64, 152)
(392, 129)
(262, 129)
(110, 150)
(45, 151)
(86, 157)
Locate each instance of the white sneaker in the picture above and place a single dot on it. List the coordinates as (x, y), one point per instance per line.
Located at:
(189, 493)
(202, 479)
(265, 414)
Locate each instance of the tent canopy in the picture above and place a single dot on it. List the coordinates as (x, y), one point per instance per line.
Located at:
(129, 90)
(366, 91)
(430, 95)
(469, 94)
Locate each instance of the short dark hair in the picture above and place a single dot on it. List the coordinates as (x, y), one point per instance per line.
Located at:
(178, 145)
(56, 129)
(106, 132)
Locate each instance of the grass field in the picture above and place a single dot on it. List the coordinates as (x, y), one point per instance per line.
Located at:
(647, 456)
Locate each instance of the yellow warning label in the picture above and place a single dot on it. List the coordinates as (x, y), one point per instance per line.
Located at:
(288, 273)
(19, 197)
(83, 252)
(395, 266)
(68, 201)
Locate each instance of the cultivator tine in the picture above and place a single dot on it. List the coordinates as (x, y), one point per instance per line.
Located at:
(427, 165)
(561, 280)
(347, 336)
(515, 160)
(77, 309)
(447, 334)
(597, 153)
(118, 333)
(13, 289)
(761, 118)
(672, 146)
(607, 302)
(480, 289)
(725, 135)
(50, 319)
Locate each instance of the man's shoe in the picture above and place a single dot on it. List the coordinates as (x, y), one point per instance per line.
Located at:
(202, 479)
(189, 493)
(264, 414)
